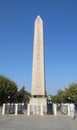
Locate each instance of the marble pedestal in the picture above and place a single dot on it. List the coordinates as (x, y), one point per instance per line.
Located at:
(38, 106)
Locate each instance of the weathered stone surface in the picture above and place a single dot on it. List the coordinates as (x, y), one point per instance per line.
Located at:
(38, 74)
(36, 104)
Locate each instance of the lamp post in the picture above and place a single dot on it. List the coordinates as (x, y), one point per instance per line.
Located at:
(9, 99)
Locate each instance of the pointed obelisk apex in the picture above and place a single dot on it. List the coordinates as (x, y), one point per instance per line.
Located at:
(38, 20)
(38, 17)
(38, 74)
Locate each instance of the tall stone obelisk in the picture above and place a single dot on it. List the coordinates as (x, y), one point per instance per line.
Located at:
(38, 102)
(38, 73)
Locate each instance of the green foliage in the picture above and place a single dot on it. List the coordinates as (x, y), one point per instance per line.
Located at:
(9, 91)
(59, 98)
(22, 95)
(71, 92)
(8, 88)
(67, 95)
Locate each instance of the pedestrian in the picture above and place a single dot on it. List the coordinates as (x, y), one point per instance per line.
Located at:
(72, 110)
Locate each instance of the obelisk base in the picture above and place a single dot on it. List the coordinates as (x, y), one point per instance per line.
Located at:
(38, 106)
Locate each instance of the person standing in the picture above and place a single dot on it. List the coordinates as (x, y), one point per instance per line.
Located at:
(72, 110)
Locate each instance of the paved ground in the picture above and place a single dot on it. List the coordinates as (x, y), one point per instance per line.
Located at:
(48, 122)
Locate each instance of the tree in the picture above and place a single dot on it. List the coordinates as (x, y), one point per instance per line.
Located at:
(67, 95)
(60, 97)
(22, 95)
(8, 89)
(71, 92)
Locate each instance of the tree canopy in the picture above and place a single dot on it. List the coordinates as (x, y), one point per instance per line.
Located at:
(8, 89)
(67, 95)
(22, 95)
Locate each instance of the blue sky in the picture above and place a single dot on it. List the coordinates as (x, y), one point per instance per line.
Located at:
(60, 38)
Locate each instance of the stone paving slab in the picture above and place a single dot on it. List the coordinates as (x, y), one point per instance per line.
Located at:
(47, 122)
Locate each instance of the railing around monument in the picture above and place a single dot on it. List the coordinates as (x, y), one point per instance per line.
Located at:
(9, 108)
(12, 108)
(61, 109)
(21, 108)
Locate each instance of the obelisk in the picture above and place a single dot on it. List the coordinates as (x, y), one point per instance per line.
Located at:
(38, 70)
(38, 102)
